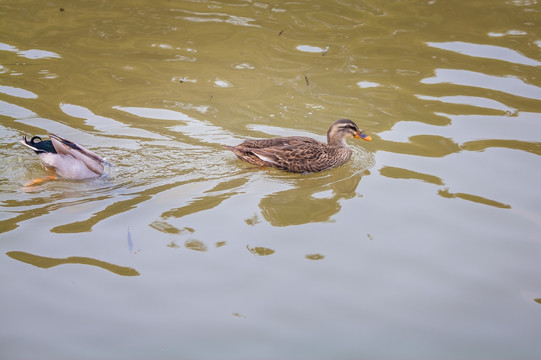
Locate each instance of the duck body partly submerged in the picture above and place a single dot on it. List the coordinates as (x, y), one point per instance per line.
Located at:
(301, 154)
(65, 158)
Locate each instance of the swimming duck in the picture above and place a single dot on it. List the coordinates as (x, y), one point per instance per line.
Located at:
(301, 154)
(65, 158)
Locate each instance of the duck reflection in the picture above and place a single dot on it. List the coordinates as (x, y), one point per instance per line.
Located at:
(312, 199)
(48, 262)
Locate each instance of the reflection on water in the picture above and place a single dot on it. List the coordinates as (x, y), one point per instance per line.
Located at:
(475, 198)
(449, 92)
(397, 173)
(507, 84)
(315, 257)
(195, 245)
(260, 251)
(49, 262)
(314, 199)
(487, 51)
(30, 53)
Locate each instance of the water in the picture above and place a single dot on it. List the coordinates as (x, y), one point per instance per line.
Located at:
(425, 245)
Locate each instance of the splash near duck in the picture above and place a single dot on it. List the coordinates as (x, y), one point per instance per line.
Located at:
(300, 154)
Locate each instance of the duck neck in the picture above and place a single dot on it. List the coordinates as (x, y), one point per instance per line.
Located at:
(338, 141)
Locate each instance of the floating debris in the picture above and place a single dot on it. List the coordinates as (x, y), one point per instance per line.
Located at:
(252, 221)
(325, 51)
(306, 79)
(281, 32)
(130, 242)
(182, 80)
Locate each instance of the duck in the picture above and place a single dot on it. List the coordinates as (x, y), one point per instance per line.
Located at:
(300, 154)
(65, 159)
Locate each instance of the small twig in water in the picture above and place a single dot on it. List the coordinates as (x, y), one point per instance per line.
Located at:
(325, 51)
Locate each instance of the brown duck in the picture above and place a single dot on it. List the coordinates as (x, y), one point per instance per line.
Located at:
(301, 154)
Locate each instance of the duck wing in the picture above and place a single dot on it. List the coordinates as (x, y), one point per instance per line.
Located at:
(91, 160)
(269, 152)
(278, 142)
(297, 156)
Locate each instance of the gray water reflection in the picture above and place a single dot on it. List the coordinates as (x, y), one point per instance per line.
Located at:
(32, 54)
(487, 51)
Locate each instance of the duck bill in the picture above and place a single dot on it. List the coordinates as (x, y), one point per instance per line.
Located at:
(360, 135)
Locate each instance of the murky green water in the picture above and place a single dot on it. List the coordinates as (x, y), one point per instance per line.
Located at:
(426, 245)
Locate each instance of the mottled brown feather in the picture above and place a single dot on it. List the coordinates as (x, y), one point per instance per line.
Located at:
(298, 153)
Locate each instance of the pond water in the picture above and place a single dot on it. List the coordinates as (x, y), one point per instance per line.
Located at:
(425, 245)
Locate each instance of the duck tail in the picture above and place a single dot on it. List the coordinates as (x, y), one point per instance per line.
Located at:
(38, 145)
(65, 146)
(228, 147)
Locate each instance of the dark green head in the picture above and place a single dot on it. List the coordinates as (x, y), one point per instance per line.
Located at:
(39, 145)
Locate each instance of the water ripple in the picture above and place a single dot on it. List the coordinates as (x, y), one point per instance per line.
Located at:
(507, 84)
(32, 54)
(486, 51)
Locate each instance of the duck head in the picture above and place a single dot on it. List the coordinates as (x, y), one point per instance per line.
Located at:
(343, 129)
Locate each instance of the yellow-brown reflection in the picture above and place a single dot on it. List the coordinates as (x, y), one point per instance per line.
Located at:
(173, 245)
(398, 173)
(195, 245)
(474, 198)
(219, 193)
(260, 251)
(300, 205)
(114, 209)
(200, 204)
(167, 228)
(421, 145)
(13, 223)
(479, 145)
(253, 220)
(314, 256)
(48, 262)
